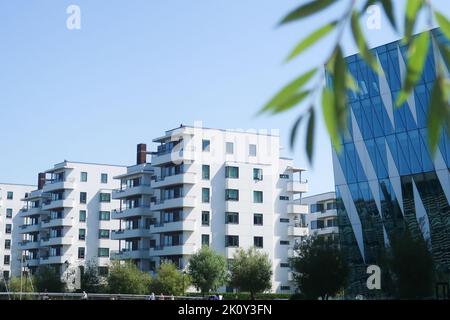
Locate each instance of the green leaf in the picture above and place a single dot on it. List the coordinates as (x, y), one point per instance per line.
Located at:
(293, 100)
(310, 135)
(311, 39)
(339, 90)
(443, 23)
(445, 52)
(286, 93)
(350, 82)
(294, 131)
(412, 9)
(330, 117)
(368, 57)
(438, 112)
(417, 53)
(306, 10)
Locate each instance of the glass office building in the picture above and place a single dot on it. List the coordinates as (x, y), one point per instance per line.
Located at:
(386, 178)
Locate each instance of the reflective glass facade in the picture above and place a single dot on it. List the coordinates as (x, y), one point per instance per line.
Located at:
(385, 176)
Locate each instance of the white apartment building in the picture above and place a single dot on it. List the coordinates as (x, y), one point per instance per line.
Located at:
(10, 206)
(67, 220)
(226, 189)
(322, 217)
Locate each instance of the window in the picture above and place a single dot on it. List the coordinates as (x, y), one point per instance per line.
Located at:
(6, 259)
(103, 271)
(82, 216)
(258, 242)
(284, 220)
(83, 197)
(83, 177)
(257, 197)
(104, 215)
(331, 205)
(230, 148)
(81, 253)
(103, 252)
(232, 172)
(105, 197)
(81, 234)
(6, 275)
(231, 241)
(9, 195)
(205, 172)
(103, 234)
(7, 244)
(205, 195)
(285, 288)
(8, 228)
(284, 242)
(258, 219)
(205, 218)
(232, 217)
(9, 213)
(317, 207)
(252, 150)
(232, 194)
(206, 145)
(205, 240)
(284, 176)
(257, 174)
(284, 265)
(104, 178)
(284, 198)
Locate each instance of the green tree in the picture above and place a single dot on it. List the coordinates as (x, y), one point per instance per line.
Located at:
(251, 271)
(319, 268)
(208, 270)
(48, 278)
(412, 265)
(126, 278)
(308, 88)
(169, 280)
(91, 281)
(21, 285)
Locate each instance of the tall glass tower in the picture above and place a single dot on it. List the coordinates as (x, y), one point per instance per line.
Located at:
(386, 178)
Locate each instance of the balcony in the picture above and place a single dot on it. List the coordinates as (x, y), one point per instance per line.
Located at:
(28, 245)
(185, 249)
(57, 222)
(297, 231)
(129, 233)
(183, 225)
(325, 231)
(297, 186)
(31, 262)
(31, 211)
(47, 242)
(182, 202)
(55, 204)
(186, 154)
(130, 254)
(54, 185)
(182, 178)
(132, 191)
(29, 228)
(325, 214)
(54, 259)
(132, 212)
(297, 208)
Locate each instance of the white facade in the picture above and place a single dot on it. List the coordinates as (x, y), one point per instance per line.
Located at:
(227, 189)
(322, 217)
(67, 221)
(10, 206)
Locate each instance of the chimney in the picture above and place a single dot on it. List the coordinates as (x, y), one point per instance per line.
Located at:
(41, 180)
(141, 153)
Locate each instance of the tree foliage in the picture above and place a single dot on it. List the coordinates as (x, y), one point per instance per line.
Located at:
(319, 268)
(48, 278)
(91, 281)
(412, 266)
(208, 270)
(334, 96)
(251, 271)
(126, 278)
(169, 281)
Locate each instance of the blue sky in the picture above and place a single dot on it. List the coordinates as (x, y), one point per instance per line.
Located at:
(139, 67)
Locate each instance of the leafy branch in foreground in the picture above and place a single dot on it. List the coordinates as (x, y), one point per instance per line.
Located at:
(333, 97)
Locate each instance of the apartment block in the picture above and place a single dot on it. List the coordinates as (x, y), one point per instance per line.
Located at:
(67, 220)
(322, 217)
(10, 206)
(221, 188)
